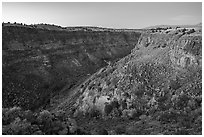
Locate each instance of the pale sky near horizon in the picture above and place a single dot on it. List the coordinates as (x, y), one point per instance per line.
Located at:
(113, 15)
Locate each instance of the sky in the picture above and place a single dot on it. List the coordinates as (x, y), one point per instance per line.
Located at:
(113, 15)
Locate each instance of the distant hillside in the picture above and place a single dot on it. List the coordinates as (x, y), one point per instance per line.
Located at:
(196, 26)
(76, 28)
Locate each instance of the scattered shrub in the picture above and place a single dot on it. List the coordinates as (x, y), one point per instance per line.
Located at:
(108, 108)
(72, 125)
(120, 129)
(115, 104)
(99, 131)
(9, 115)
(182, 101)
(20, 122)
(174, 84)
(115, 113)
(168, 116)
(191, 31)
(134, 113)
(124, 104)
(94, 113)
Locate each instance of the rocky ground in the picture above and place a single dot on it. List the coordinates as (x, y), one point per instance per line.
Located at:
(154, 90)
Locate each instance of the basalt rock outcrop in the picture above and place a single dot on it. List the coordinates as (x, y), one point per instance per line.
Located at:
(39, 61)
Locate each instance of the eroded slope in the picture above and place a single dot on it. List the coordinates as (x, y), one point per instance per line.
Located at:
(158, 84)
(40, 61)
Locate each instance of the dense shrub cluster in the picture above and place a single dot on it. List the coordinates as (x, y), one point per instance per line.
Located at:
(25, 122)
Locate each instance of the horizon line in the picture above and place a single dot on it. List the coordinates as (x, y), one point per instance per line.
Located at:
(53, 24)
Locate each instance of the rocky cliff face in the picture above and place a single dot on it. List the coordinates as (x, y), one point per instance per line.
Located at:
(39, 62)
(159, 82)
